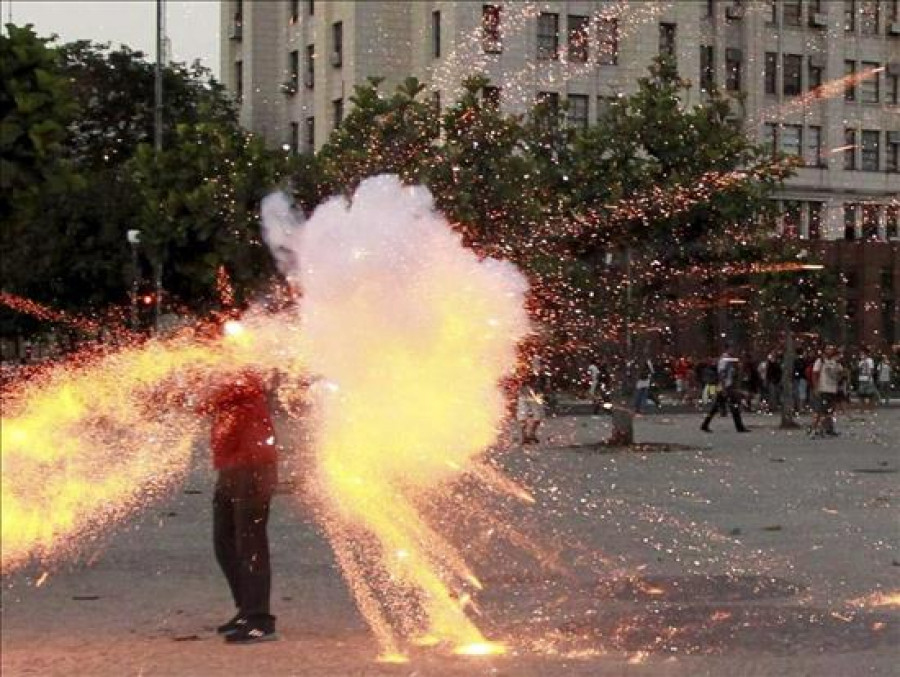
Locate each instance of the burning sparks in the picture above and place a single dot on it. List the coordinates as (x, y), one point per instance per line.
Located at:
(416, 336)
(89, 442)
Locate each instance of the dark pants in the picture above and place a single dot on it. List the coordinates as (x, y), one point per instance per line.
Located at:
(240, 515)
(729, 397)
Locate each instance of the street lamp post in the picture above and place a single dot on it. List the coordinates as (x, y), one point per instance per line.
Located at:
(134, 239)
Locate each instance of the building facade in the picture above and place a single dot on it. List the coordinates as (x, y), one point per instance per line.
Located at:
(816, 79)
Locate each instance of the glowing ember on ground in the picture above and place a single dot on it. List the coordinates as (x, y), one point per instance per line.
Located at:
(878, 599)
(480, 649)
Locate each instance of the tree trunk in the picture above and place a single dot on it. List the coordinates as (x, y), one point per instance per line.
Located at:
(787, 382)
(623, 427)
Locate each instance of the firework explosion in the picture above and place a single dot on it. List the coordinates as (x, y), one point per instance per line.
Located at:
(411, 335)
(87, 443)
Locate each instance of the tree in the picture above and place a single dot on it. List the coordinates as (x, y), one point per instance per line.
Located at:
(199, 202)
(68, 248)
(37, 109)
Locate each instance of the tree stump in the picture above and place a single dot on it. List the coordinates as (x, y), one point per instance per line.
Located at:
(623, 427)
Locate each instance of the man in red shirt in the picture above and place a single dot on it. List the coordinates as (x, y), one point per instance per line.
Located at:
(243, 450)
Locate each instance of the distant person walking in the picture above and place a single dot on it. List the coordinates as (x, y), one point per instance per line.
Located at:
(727, 393)
(642, 386)
(884, 379)
(530, 410)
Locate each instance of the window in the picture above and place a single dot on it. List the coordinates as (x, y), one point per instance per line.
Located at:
(436, 101)
(578, 38)
(309, 79)
(491, 40)
(578, 111)
(311, 7)
(709, 11)
(337, 44)
(239, 80)
(337, 112)
(707, 67)
(850, 16)
(491, 96)
(814, 146)
(871, 150)
(791, 218)
(550, 100)
(892, 152)
(770, 137)
(436, 34)
(814, 74)
(817, 18)
(869, 90)
(771, 73)
(814, 225)
(771, 12)
(791, 137)
(892, 222)
(294, 17)
(793, 74)
(868, 17)
(791, 13)
(733, 58)
(849, 149)
(609, 42)
(667, 39)
(850, 75)
(849, 223)
(870, 222)
(548, 36)
(892, 88)
(310, 134)
(295, 138)
(294, 71)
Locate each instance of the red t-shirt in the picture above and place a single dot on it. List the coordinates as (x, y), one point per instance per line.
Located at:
(242, 432)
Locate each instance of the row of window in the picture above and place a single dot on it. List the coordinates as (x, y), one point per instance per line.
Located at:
(804, 218)
(579, 41)
(871, 222)
(866, 17)
(863, 83)
(309, 67)
(862, 149)
(860, 16)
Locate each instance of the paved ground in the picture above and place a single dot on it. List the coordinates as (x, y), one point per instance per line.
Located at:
(746, 555)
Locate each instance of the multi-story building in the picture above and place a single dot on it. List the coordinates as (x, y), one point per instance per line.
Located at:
(815, 79)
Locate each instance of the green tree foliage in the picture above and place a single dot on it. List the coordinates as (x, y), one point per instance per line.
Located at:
(66, 247)
(37, 108)
(199, 203)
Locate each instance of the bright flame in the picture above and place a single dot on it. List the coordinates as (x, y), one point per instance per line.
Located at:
(84, 445)
(416, 336)
(480, 649)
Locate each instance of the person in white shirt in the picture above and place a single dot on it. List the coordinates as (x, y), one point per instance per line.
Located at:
(827, 372)
(727, 393)
(866, 375)
(593, 379)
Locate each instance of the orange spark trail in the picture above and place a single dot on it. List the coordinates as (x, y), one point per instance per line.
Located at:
(84, 446)
(42, 312)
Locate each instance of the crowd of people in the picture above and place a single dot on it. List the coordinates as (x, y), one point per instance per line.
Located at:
(822, 379)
